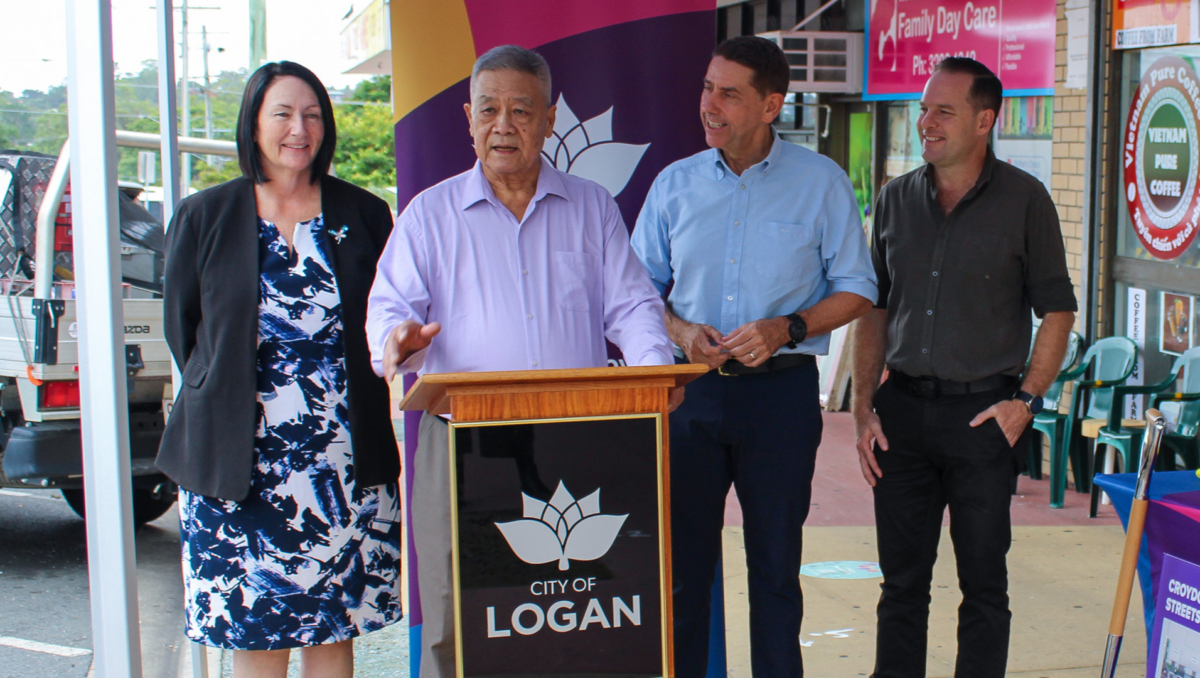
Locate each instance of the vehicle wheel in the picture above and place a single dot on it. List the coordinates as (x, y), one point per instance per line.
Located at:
(146, 507)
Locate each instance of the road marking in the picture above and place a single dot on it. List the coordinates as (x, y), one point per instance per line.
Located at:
(27, 495)
(45, 648)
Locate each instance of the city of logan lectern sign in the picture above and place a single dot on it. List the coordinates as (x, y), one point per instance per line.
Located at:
(560, 513)
(559, 563)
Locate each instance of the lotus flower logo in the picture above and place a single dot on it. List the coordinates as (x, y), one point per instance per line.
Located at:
(586, 149)
(563, 529)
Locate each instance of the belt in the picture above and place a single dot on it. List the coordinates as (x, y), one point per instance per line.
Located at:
(733, 368)
(932, 387)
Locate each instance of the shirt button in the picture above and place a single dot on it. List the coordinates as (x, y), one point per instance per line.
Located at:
(743, 187)
(737, 223)
(525, 271)
(729, 298)
(531, 316)
(535, 363)
(924, 350)
(733, 261)
(935, 274)
(926, 313)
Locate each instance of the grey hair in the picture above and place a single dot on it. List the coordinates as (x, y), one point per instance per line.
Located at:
(513, 58)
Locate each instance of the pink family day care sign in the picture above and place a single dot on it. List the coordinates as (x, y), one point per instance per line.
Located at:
(907, 38)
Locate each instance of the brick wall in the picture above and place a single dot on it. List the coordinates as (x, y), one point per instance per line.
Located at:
(1067, 181)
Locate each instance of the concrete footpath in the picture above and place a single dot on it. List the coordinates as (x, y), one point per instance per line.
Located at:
(1062, 573)
(1062, 576)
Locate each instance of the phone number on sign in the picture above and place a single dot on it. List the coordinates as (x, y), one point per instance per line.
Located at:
(924, 65)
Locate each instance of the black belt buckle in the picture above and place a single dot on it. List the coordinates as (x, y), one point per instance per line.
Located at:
(926, 387)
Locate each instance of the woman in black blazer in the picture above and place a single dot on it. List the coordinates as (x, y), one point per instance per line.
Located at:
(281, 438)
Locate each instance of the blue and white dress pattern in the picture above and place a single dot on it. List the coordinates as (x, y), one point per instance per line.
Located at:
(307, 558)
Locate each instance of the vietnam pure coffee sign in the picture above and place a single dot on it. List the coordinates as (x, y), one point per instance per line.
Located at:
(1159, 157)
(559, 556)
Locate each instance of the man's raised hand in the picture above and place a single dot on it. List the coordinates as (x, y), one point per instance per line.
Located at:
(404, 340)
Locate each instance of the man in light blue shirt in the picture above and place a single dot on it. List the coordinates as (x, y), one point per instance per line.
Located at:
(762, 242)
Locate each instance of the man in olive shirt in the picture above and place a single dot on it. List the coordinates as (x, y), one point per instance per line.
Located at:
(963, 248)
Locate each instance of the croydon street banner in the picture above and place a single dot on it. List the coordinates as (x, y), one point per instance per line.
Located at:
(627, 77)
(907, 38)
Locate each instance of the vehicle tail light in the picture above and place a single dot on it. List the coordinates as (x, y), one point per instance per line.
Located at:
(60, 394)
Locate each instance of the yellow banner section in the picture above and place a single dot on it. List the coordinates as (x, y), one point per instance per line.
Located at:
(432, 48)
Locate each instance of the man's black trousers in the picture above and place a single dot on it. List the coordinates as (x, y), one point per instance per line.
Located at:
(759, 432)
(936, 460)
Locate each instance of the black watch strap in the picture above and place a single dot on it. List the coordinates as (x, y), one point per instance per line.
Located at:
(797, 329)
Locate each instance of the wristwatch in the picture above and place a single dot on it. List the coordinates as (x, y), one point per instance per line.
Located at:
(797, 329)
(1033, 402)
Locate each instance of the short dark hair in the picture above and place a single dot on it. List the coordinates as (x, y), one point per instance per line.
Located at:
(986, 91)
(771, 71)
(252, 101)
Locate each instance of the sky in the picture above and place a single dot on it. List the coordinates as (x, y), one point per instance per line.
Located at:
(306, 31)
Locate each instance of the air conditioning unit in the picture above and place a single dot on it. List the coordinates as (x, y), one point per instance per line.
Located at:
(822, 61)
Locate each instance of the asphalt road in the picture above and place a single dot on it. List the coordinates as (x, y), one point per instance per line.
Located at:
(44, 606)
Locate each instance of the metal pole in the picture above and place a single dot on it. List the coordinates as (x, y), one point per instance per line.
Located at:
(112, 580)
(187, 110)
(168, 110)
(207, 91)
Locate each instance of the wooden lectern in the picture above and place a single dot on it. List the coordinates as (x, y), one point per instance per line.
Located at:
(550, 576)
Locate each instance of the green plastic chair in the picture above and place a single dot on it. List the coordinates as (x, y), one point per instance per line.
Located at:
(1128, 441)
(1183, 409)
(1050, 422)
(1111, 361)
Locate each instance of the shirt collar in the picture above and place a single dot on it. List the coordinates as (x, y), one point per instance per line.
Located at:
(722, 169)
(550, 181)
(985, 174)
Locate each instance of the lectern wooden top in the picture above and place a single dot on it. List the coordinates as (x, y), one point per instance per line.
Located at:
(429, 393)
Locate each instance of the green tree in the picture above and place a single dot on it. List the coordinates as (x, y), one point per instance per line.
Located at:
(365, 153)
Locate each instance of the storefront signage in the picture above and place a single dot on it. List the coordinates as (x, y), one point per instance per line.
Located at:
(1147, 23)
(907, 38)
(1159, 154)
(1175, 644)
(1135, 329)
(559, 548)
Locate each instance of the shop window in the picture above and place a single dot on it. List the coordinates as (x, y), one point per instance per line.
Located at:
(903, 141)
(1178, 156)
(1024, 135)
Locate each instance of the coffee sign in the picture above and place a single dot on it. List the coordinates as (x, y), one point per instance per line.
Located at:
(1160, 157)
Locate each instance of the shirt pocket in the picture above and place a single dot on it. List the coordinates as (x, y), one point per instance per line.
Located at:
(574, 276)
(787, 252)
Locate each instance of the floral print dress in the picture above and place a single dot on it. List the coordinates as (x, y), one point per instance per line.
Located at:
(307, 558)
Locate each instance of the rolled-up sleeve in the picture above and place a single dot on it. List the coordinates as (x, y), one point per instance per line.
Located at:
(844, 245)
(634, 312)
(400, 291)
(1047, 281)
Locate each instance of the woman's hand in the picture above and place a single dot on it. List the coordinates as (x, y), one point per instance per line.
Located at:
(406, 339)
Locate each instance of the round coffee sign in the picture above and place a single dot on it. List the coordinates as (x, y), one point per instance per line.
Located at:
(1161, 160)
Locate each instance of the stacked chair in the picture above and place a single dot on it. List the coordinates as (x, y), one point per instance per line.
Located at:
(1180, 407)
(1110, 361)
(1050, 422)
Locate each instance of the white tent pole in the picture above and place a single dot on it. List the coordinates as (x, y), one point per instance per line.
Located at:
(168, 112)
(105, 414)
(168, 128)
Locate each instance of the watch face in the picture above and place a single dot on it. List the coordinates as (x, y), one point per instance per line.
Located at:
(797, 329)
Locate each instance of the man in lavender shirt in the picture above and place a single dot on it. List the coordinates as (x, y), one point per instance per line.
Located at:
(512, 265)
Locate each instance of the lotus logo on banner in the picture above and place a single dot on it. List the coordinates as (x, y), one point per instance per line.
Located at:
(563, 529)
(586, 149)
